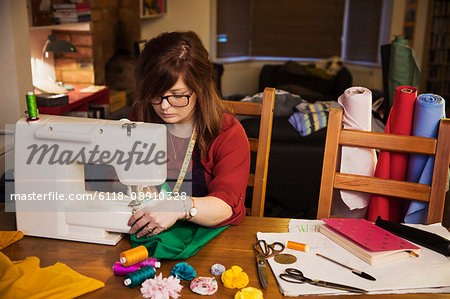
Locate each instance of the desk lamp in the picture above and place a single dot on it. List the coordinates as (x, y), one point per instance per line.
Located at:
(56, 46)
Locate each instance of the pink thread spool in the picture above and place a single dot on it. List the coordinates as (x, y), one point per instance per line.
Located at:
(120, 270)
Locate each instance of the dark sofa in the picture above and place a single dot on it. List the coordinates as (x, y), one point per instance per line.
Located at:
(310, 83)
(295, 162)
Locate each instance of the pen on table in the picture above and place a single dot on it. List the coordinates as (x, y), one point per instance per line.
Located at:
(357, 272)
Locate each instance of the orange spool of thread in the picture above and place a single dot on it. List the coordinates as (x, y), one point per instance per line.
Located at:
(133, 256)
(297, 246)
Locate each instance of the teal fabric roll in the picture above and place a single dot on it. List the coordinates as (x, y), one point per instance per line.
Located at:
(428, 111)
(181, 241)
(403, 67)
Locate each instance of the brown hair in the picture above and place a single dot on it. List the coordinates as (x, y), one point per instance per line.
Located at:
(163, 61)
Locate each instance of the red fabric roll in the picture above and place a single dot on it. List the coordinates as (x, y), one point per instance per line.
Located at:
(392, 165)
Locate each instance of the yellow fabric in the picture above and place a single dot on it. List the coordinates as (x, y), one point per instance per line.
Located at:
(9, 237)
(249, 293)
(235, 278)
(25, 279)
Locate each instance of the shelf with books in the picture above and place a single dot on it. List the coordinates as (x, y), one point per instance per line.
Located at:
(410, 20)
(436, 59)
(81, 26)
(49, 14)
(152, 8)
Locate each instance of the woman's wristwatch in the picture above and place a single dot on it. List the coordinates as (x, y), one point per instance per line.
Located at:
(189, 213)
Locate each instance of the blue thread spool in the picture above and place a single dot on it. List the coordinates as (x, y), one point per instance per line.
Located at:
(135, 278)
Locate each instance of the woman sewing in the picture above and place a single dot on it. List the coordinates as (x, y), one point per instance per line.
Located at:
(174, 86)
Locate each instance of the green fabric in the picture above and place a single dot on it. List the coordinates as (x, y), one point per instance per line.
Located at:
(403, 67)
(181, 241)
(165, 189)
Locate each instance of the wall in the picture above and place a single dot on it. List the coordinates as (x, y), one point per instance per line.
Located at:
(242, 77)
(239, 77)
(114, 24)
(43, 70)
(420, 29)
(181, 15)
(15, 70)
(77, 67)
(40, 69)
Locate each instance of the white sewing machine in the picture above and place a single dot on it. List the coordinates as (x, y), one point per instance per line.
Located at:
(51, 199)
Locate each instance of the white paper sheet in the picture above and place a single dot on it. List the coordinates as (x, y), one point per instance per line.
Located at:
(304, 225)
(93, 88)
(430, 273)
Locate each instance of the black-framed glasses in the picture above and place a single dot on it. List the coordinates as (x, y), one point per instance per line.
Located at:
(175, 100)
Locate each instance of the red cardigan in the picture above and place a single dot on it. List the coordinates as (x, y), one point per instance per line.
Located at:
(227, 166)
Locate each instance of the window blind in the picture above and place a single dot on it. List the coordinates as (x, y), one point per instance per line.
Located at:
(297, 28)
(233, 28)
(363, 30)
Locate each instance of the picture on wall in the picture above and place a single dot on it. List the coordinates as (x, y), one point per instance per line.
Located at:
(152, 8)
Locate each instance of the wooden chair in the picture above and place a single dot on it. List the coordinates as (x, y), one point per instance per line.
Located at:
(331, 179)
(260, 145)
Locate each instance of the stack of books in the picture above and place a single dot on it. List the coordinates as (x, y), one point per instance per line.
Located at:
(51, 99)
(66, 13)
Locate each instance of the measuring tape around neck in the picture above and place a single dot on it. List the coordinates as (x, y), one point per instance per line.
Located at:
(187, 159)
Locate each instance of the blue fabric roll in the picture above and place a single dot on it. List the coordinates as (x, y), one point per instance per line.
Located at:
(428, 110)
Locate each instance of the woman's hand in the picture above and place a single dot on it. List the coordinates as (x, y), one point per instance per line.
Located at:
(152, 220)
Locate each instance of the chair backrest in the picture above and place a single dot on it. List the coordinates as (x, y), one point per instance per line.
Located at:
(260, 145)
(332, 179)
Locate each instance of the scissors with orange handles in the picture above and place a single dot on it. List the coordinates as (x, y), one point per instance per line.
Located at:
(265, 251)
(296, 276)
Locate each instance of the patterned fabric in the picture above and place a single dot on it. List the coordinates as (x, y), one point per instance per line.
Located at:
(310, 117)
(285, 102)
(204, 285)
(319, 106)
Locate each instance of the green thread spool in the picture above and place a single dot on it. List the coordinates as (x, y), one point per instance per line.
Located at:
(135, 278)
(32, 106)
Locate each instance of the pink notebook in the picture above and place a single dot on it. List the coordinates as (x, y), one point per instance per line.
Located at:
(369, 242)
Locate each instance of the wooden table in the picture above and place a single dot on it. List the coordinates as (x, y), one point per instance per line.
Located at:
(79, 101)
(231, 247)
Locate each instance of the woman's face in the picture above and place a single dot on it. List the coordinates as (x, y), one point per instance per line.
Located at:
(168, 111)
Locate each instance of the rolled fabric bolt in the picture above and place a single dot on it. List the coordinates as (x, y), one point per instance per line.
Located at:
(357, 105)
(297, 246)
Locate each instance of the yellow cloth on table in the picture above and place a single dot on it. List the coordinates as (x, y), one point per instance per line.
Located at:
(25, 279)
(9, 237)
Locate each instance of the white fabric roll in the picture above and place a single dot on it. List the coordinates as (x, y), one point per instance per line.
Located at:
(357, 105)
